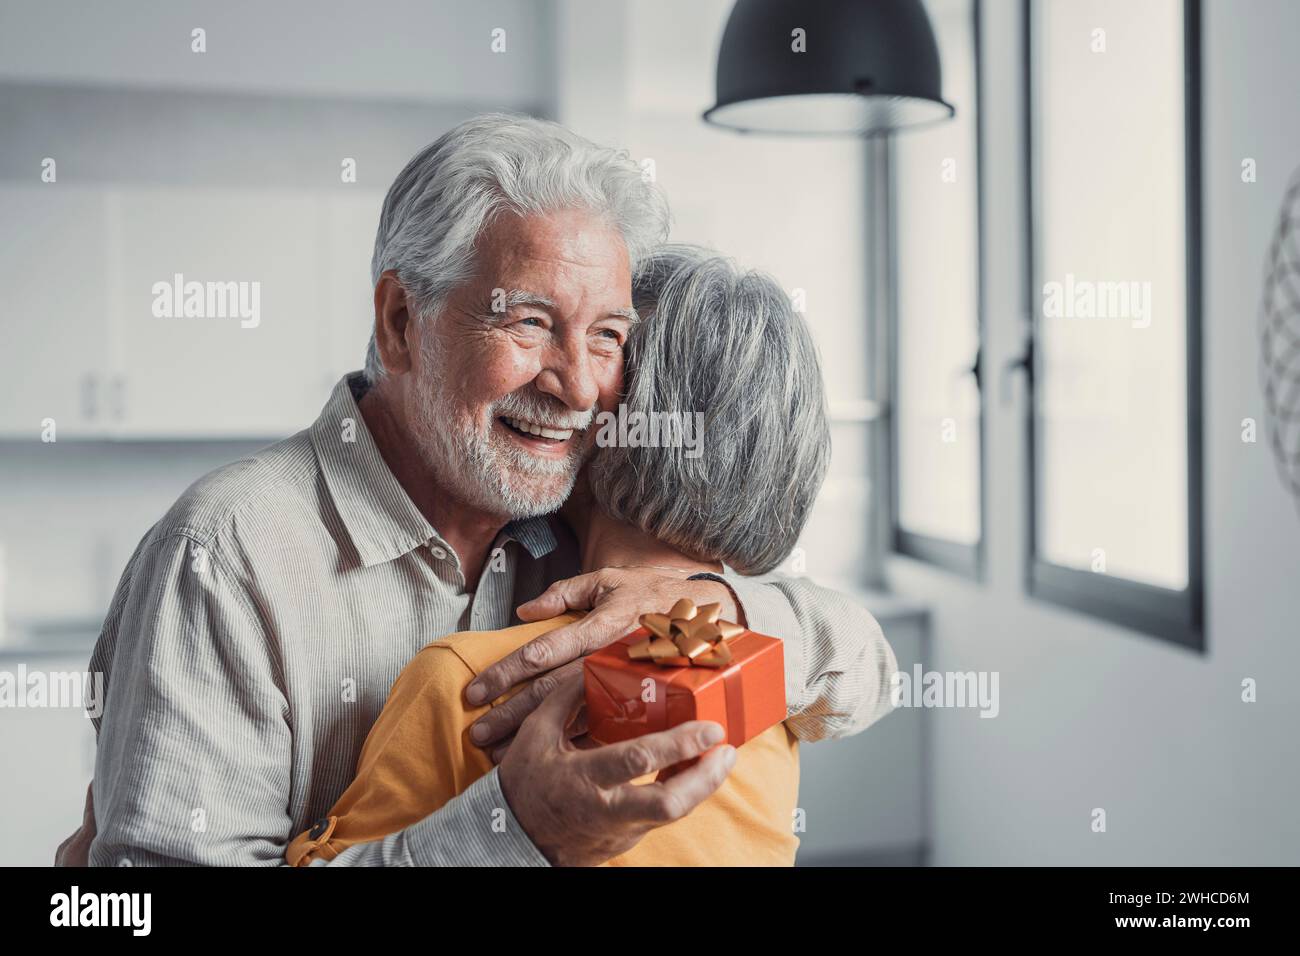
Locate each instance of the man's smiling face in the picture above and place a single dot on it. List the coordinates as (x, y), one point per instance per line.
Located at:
(510, 371)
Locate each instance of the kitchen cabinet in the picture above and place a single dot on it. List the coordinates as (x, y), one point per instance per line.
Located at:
(53, 334)
(242, 356)
(274, 305)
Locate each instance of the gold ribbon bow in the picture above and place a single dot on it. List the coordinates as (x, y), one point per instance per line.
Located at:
(686, 636)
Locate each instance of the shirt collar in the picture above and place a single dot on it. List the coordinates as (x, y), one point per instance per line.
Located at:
(380, 518)
(537, 535)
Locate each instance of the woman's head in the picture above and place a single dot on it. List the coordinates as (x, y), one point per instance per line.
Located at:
(728, 344)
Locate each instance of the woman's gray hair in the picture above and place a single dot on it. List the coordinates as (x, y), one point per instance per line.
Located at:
(729, 344)
(454, 188)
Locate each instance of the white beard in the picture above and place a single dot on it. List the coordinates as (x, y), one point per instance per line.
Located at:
(484, 469)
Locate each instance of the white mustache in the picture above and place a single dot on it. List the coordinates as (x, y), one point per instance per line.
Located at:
(530, 408)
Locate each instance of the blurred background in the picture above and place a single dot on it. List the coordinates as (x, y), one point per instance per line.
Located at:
(1096, 510)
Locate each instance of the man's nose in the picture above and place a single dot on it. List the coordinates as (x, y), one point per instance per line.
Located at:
(570, 375)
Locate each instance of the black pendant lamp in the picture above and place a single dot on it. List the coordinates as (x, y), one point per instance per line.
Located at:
(828, 68)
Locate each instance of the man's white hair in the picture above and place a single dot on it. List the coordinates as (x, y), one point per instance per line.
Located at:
(454, 188)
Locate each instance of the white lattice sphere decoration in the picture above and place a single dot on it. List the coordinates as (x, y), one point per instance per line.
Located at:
(1280, 340)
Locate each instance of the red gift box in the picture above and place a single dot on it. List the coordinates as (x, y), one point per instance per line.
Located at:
(630, 694)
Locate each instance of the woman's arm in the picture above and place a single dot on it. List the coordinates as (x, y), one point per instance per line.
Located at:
(414, 761)
(838, 665)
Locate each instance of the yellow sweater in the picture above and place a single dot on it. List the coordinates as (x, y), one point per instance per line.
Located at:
(418, 756)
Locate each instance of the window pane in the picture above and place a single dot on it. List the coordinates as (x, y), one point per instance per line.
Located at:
(937, 286)
(1112, 314)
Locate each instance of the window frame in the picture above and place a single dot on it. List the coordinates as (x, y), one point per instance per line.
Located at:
(1174, 616)
(966, 560)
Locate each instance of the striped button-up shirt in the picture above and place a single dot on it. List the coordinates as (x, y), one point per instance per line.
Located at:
(260, 624)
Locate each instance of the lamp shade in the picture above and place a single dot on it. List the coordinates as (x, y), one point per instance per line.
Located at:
(829, 67)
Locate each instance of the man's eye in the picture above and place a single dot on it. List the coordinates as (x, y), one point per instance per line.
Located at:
(610, 334)
(532, 321)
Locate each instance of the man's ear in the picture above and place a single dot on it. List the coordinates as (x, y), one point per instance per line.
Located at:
(392, 324)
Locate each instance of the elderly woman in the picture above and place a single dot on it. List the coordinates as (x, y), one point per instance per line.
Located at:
(715, 340)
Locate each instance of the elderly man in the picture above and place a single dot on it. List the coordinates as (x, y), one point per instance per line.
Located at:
(260, 624)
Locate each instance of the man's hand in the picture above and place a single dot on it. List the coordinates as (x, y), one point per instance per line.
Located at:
(617, 597)
(578, 806)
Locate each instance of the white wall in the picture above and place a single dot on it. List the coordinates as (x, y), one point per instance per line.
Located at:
(1092, 715)
(381, 49)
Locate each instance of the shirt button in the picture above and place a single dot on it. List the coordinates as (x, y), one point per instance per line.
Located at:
(438, 552)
